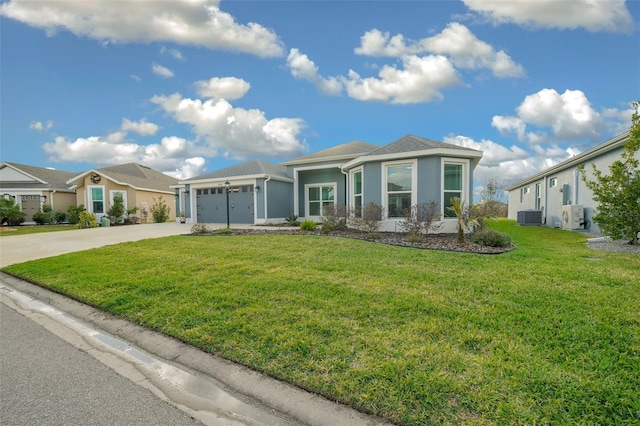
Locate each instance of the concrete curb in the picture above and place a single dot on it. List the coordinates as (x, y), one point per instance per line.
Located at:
(297, 404)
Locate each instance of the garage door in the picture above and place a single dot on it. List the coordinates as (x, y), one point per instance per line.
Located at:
(212, 205)
(30, 205)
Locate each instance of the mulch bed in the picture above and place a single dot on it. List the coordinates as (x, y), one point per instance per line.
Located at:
(445, 242)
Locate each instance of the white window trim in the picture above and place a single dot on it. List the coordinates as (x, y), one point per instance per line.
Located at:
(352, 193)
(90, 199)
(414, 184)
(553, 182)
(465, 182)
(113, 192)
(334, 185)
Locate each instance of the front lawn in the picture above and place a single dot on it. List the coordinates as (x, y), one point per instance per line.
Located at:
(548, 333)
(6, 231)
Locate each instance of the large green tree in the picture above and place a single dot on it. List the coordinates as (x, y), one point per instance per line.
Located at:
(618, 193)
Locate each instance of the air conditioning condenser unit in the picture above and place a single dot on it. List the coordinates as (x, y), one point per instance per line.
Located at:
(572, 216)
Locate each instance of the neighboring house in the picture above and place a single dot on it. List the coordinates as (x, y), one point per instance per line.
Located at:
(32, 187)
(406, 172)
(557, 197)
(138, 185)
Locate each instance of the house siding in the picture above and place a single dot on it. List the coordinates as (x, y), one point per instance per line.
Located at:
(279, 200)
(317, 176)
(429, 182)
(570, 189)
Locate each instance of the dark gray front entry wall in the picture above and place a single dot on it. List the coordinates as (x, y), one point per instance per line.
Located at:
(212, 208)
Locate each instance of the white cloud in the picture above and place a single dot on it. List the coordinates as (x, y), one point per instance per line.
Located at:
(193, 22)
(172, 155)
(229, 88)
(135, 77)
(509, 165)
(569, 116)
(456, 41)
(305, 69)
(142, 127)
(420, 80)
(237, 131)
(174, 53)
(609, 15)
(161, 71)
(39, 126)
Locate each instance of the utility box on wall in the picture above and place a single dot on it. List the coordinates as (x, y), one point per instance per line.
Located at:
(572, 216)
(530, 217)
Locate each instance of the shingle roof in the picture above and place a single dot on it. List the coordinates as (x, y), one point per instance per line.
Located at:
(411, 143)
(138, 176)
(345, 151)
(250, 168)
(55, 179)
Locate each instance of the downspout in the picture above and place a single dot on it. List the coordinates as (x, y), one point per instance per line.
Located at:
(296, 198)
(51, 202)
(264, 195)
(346, 184)
(545, 205)
(576, 181)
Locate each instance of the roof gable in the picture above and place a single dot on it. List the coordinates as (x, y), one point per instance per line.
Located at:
(347, 151)
(250, 168)
(40, 177)
(132, 174)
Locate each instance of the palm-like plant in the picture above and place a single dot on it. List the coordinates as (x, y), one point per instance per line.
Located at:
(463, 215)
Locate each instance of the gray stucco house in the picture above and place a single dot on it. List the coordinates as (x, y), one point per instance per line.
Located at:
(406, 172)
(557, 197)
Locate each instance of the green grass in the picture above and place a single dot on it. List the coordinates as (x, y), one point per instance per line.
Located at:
(548, 333)
(33, 229)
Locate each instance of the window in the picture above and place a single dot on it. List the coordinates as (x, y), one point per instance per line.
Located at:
(320, 197)
(538, 196)
(553, 182)
(527, 190)
(452, 186)
(399, 189)
(96, 199)
(356, 191)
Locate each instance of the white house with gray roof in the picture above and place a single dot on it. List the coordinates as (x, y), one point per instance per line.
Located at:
(557, 197)
(406, 172)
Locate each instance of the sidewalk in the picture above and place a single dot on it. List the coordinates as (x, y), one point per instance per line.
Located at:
(204, 386)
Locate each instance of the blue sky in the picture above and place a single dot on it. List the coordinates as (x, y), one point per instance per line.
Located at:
(194, 86)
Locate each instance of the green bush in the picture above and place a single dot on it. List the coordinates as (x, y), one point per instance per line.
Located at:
(308, 225)
(44, 216)
(369, 218)
(292, 220)
(10, 212)
(59, 217)
(73, 213)
(160, 211)
(87, 220)
(334, 218)
(491, 238)
(117, 210)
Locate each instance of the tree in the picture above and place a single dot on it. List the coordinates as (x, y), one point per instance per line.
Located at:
(160, 211)
(464, 215)
(117, 209)
(10, 212)
(492, 199)
(618, 194)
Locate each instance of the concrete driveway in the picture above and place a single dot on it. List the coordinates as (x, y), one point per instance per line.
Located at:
(20, 248)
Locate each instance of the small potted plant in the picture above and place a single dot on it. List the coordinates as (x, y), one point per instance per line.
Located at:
(182, 217)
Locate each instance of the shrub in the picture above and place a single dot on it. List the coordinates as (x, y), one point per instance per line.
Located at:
(334, 218)
(87, 220)
(117, 209)
(370, 219)
(225, 231)
(200, 228)
(60, 217)
(73, 214)
(418, 219)
(10, 212)
(292, 220)
(45, 216)
(491, 238)
(308, 225)
(160, 211)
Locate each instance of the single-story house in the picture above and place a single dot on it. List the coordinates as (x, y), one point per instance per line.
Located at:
(32, 187)
(557, 197)
(409, 171)
(138, 185)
